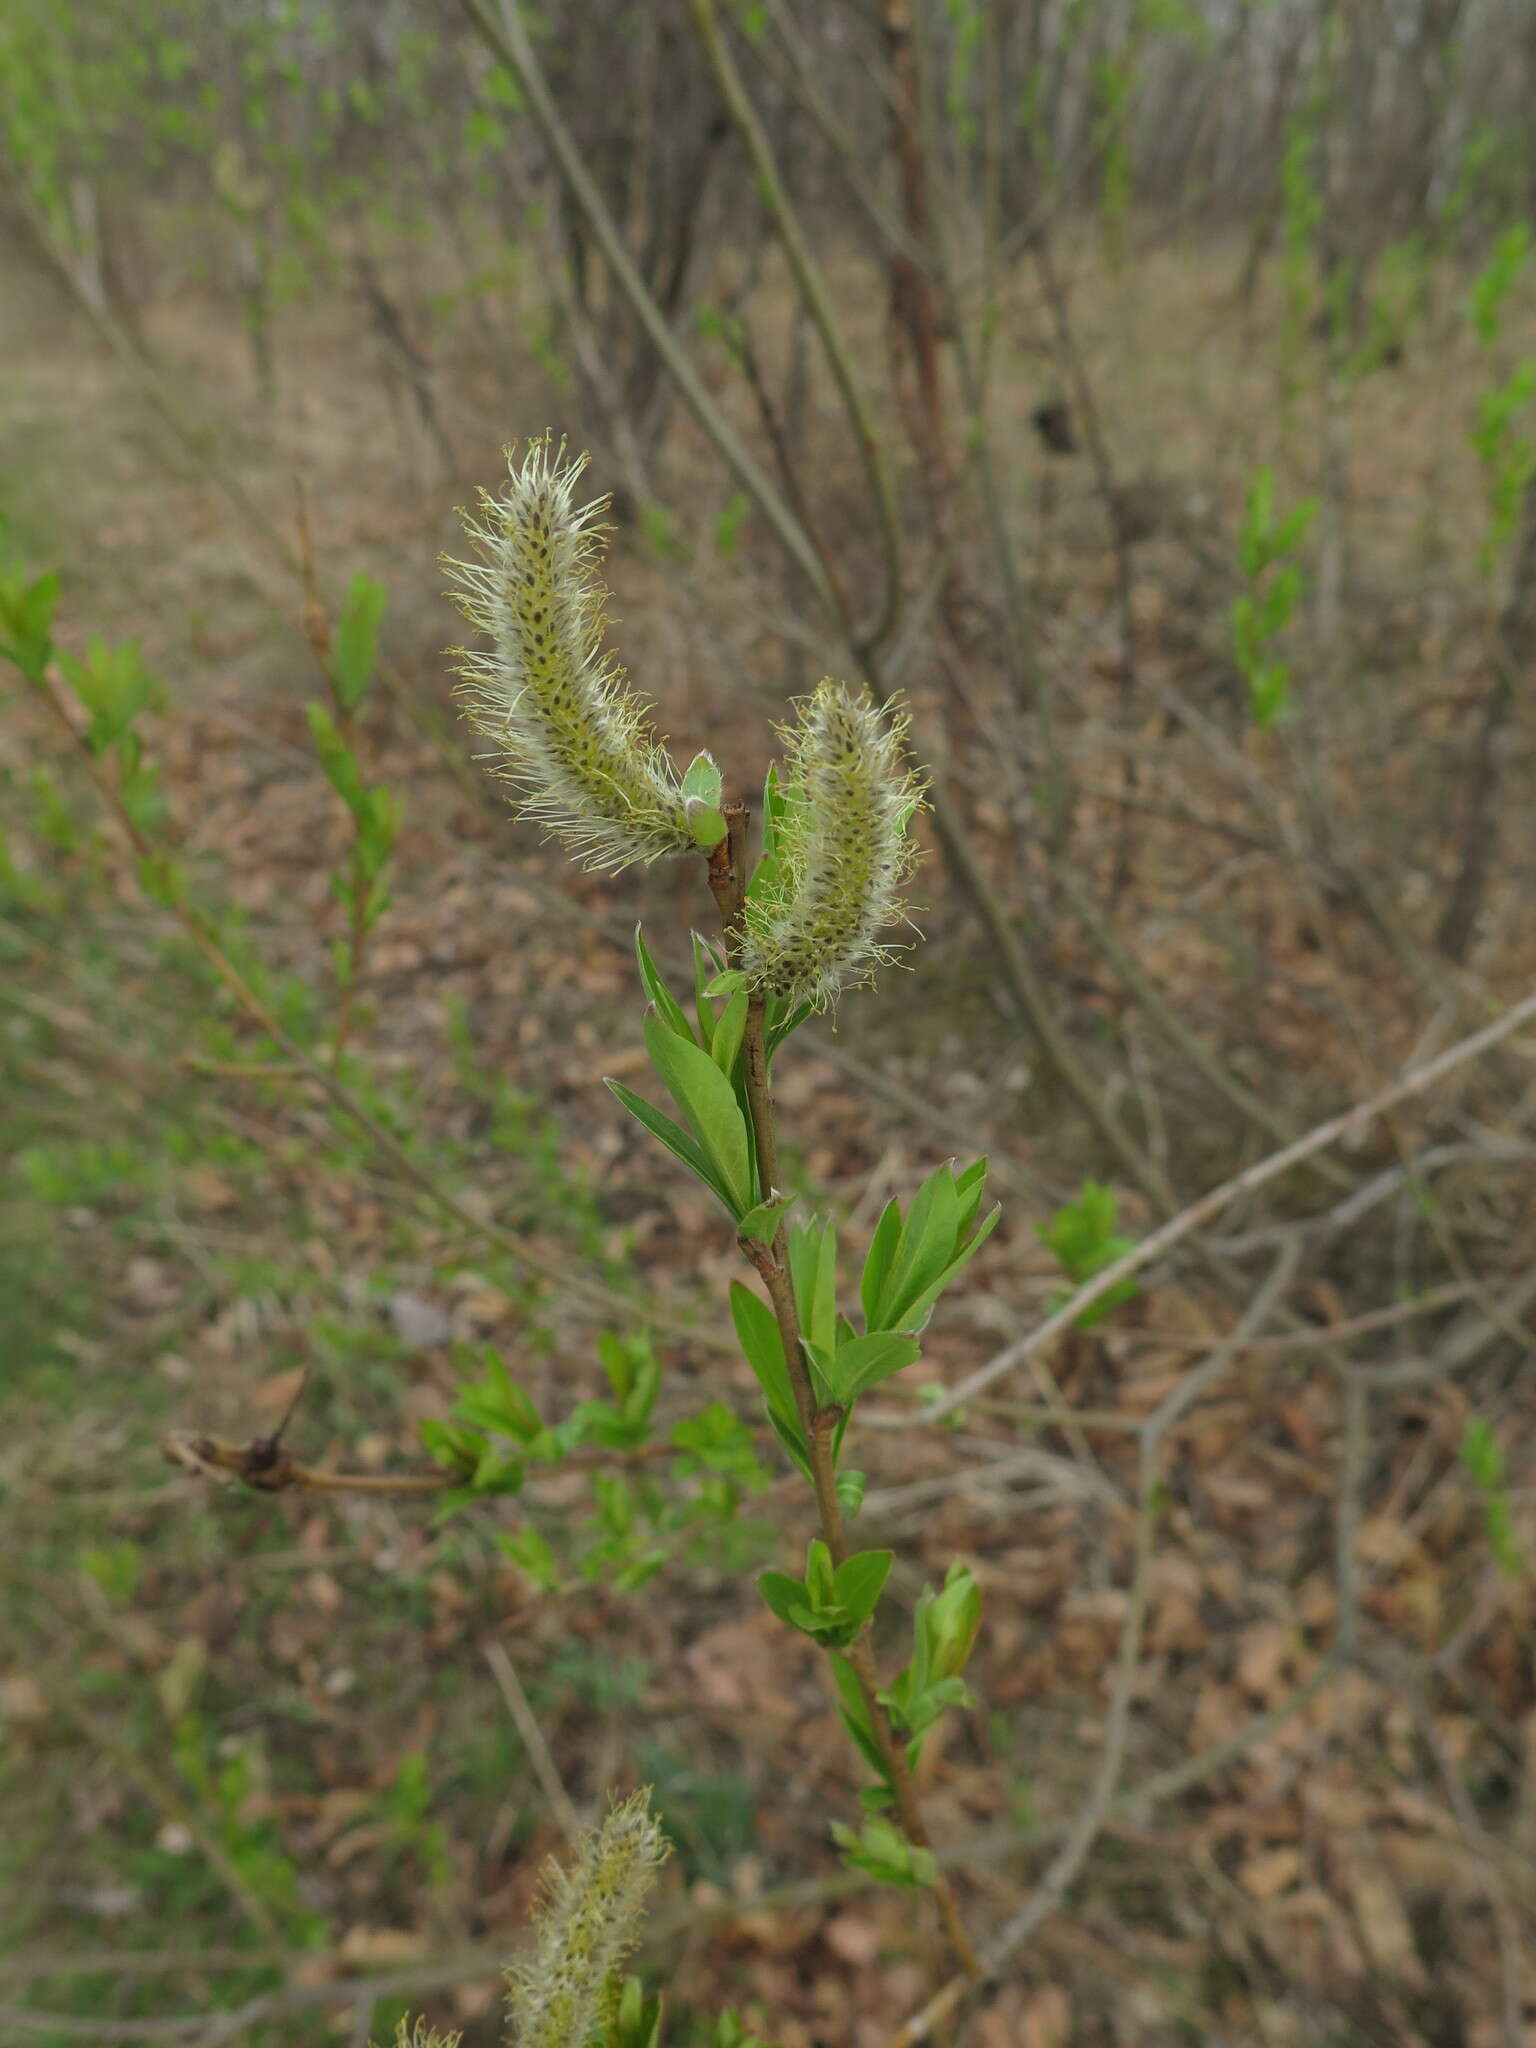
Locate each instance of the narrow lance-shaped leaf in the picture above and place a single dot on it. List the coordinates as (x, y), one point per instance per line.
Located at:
(355, 652)
(708, 1102)
(668, 1008)
(677, 1141)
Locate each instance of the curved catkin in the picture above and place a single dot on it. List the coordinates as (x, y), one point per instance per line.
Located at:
(843, 852)
(571, 737)
(588, 1920)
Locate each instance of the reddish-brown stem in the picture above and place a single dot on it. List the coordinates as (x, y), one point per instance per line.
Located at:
(265, 1465)
(818, 1421)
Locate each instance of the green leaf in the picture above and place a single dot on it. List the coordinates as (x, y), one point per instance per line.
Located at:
(877, 1262)
(917, 1312)
(113, 685)
(773, 810)
(784, 1595)
(446, 1443)
(730, 522)
(758, 1334)
(850, 1487)
(820, 1361)
(357, 639)
(705, 823)
(885, 1853)
(855, 1715)
(1481, 1458)
(668, 1007)
(531, 1553)
(863, 1362)
(1083, 1237)
(928, 1241)
(793, 1443)
(818, 1573)
(813, 1270)
(761, 1225)
(860, 1580)
(637, 2023)
(163, 879)
(341, 767)
(970, 1186)
(708, 1102)
(27, 611)
(729, 1032)
(781, 1028)
(707, 963)
(704, 780)
(676, 1140)
(948, 1622)
(497, 1402)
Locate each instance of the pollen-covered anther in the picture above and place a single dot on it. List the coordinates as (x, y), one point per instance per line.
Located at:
(843, 850)
(570, 736)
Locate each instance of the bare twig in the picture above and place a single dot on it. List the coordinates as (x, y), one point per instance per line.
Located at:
(507, 37)
(1347, 1123)
(1506, 1926)
(817, 300)
(342, 1099)
(1051, 1890)
(264, 1465)
(526, 1721)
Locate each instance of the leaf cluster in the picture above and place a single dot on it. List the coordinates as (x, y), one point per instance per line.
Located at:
(1274, 588)
(497, 1436)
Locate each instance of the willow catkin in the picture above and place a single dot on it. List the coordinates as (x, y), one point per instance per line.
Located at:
(573, 740)
(587, 1922)
(842, 852)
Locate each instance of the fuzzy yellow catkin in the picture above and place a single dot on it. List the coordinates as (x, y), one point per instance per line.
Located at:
(843, 851)
(573, 740)
(587, 1921)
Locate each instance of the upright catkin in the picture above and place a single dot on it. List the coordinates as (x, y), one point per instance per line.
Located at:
(842, 851)
(573, 740)
(587, 1921)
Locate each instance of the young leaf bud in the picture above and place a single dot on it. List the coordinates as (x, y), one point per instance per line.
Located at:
(574, 740)
(588, 1920)
(841, 852)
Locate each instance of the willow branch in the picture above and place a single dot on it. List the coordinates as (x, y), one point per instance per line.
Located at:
(506, 36)
(336, 1093)
(818, 1424)
(1348, 1123)
(818, 303)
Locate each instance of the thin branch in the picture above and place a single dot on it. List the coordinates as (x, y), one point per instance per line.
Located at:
(818, 303)
(265, 1466)
(1348, 1123)
(340, 1097)
(162, 1793)
(1506, 1925)
(1166, 1019)
(1049, 1893)
(666, 1928)
(567, 1819)
(508, 40)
